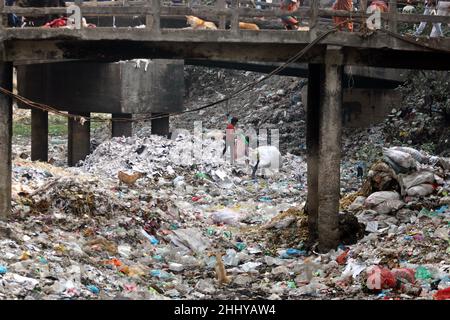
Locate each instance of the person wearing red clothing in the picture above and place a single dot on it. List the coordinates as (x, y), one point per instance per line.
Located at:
(290, 22)
(378, 5)
(230, 138)
(343, 23)
(232, 124)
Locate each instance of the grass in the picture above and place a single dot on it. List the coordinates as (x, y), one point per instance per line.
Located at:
(57, 126)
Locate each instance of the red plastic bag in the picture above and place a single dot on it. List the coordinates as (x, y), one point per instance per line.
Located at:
(380, 278)
(443, 294)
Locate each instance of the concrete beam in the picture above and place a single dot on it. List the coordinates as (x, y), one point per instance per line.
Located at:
(271, 51)
(116, 88)
(39, 135)
(6, 75)
(160, 126)
(122, 128)
(79, 140)
(357, 77)
(330, 151)
(312, 146)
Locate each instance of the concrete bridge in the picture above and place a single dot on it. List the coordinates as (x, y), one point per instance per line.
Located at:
(325, 50)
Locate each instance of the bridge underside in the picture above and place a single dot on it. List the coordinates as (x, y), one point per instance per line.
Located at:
(377, 50)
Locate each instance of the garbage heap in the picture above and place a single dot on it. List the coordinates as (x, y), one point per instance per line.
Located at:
(404, 204)
(77, 233)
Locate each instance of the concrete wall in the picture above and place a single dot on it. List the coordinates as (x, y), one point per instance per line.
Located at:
(362, 108)
(105, 87)
(365, 107)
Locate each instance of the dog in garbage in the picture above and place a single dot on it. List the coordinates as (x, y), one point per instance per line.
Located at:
(129, 179)
(221, 273)
(200, 24)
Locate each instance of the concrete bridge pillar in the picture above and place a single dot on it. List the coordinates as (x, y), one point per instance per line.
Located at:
(6, 78)
(79, 139)
(122, 128)
(39, 135)
(316, 72)
(324, 130)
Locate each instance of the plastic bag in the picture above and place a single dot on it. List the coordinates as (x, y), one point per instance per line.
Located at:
(377, 198)
(417, 155)
(380, 278)
(389, 206)
(443, 294)
(420, 190)
(190, 239)
(414, 179)
(400, 158)
(445, 163)
(225, 216)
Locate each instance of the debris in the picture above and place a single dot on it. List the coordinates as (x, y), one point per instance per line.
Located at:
(93, 289)
(189, 239)
(380, 278)
(3, 269)
(443, 294)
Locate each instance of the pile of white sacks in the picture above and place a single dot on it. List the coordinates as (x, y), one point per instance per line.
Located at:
(417, 174)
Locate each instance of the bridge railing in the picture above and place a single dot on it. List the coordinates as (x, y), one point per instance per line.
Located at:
(228, 13)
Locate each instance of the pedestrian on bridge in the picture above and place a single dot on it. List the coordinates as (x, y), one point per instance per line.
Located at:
(378, 5)
(13, 20)
(290, 22)
(430, 9)
(343, 23)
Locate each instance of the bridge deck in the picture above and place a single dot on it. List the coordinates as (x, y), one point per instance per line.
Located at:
(375, 48)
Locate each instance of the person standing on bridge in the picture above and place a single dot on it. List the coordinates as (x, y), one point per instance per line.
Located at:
(290, 22)
(378, 5)
(343, 23)
(430, 9)
(13, 20)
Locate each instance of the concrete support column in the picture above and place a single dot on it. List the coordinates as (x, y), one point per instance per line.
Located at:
(315, 76)
(122, 128)
(6, 75)
(160, 126)
(39, 135)
(330, 151)
(79, 139)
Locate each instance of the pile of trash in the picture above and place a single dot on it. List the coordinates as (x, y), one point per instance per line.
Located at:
(276, 103)
(404, 204)
(78, 233)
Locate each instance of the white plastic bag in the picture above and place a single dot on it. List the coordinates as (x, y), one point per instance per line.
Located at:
(417, 155)
(415, 179)
(381, 196)
(384, 201)
(421, 190)
(226, 216)
(400, 158)
(389, 206)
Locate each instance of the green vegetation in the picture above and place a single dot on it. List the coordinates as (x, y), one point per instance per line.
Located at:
(57, 126)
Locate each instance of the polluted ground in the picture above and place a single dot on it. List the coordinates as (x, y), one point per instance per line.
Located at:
(173, 228)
